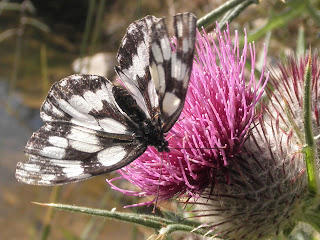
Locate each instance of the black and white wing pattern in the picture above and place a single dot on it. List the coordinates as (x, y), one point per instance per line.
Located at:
(94, 127)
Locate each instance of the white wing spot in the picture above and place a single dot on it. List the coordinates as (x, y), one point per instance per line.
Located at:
(154, 74)
(78, 135)
(183, 69)
(166, 48)
(63, 82)
(74, 171)
(87, 121)
(178, 69)
(156, 52)
(31, 168)
(78, 118)
(76, 77)
(179, 28)
(130, 30)
(138, 65)
(47, 178)
(53, 152)
(46, 106)
(162, 79)
(153, 96)
(111, 156)
(93, 99)
(110, 125)
(80, 104)
(85, 147)
(143, 54)
(174, 67)
(170, 103)
(124, 40)
(103, 94)
(185, 45)
(93, 77)
(58, 141)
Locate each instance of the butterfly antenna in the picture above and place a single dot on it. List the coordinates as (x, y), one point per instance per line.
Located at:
(158, 188)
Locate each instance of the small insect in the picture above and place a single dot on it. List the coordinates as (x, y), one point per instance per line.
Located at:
(93, 126)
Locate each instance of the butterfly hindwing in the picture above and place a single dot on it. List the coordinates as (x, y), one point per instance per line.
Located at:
(57, 160)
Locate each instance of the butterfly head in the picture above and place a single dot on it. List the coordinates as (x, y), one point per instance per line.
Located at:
(163, 147)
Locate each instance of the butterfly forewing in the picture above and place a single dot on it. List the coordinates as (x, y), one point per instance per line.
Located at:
(93, 127)
(85, 100)
(133, 57)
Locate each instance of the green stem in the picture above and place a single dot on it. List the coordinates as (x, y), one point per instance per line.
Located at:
(309, 138)
(233, 13)
(213, 15)
(163, 225)
(141, 219)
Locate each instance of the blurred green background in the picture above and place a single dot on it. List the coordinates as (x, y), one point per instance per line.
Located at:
(39, 44)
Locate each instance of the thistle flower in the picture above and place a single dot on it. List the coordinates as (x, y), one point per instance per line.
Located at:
(217, 116)
(243, 171)
(268, 191)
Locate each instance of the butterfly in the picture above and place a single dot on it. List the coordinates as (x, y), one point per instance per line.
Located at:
(93, 126)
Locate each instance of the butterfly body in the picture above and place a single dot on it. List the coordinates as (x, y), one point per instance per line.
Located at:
(147, 131)
(93, 126)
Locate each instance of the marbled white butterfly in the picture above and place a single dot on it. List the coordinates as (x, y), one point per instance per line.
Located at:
(93, 127)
